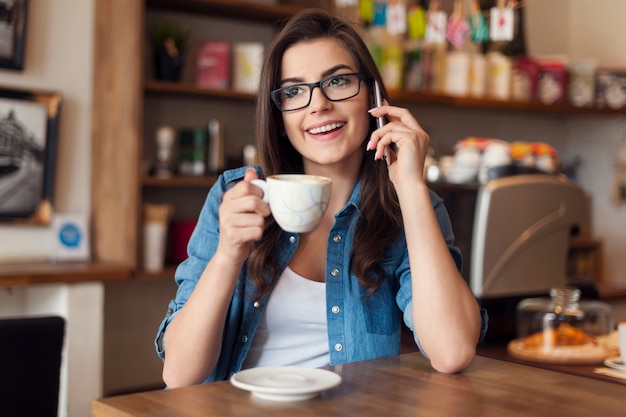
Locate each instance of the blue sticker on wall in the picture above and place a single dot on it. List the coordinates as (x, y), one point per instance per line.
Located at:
(70, 235)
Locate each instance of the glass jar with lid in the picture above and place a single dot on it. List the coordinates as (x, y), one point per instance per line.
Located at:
(563, 319)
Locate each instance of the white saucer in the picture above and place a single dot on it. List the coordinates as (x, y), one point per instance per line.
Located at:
(615, 362)
(285, 383)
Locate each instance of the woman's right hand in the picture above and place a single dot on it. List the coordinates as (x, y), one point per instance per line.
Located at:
(242, 218)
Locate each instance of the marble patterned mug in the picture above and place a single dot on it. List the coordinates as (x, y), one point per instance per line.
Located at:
(297, 201)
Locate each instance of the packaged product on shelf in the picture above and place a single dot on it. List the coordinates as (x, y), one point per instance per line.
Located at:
(498, 76)
(414, 74)
(428, 67)
(191, 153)
(457, 73)
(553, 80)
(611, 88)
(215, 150)
(478, 76)
(582, 88)
(247, 61)
(165, 144)
(213, 65)
(525, 78)
(392, 66)
(179, 232)
(434, 68)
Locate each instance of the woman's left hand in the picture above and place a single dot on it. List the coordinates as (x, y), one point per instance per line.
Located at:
(411, 144)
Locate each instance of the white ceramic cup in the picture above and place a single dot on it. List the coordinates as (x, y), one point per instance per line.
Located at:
(621, 339)
(297, 201)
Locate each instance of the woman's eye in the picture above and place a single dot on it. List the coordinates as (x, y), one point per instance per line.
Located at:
(338, 82)
(291, 92)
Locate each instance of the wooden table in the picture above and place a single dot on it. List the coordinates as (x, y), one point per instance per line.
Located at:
(499, 351)
(398, 386)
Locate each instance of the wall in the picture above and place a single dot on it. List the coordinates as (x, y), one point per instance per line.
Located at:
(593, 30)
(59, 58)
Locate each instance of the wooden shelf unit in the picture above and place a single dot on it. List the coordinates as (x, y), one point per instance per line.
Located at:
(120, 90)
(404, 97)
(38, 273)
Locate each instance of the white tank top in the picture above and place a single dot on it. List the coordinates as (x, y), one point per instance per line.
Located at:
(293, 328)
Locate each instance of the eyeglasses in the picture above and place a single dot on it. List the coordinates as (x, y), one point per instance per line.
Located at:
(335, 88)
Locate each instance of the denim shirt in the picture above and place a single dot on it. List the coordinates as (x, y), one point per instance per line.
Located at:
(358, 328)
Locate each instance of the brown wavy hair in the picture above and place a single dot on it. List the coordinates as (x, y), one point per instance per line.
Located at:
(380, 219)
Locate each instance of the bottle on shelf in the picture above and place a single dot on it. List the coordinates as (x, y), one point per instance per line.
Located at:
(165, 139)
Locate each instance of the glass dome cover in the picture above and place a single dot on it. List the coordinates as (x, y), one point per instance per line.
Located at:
(563, 319)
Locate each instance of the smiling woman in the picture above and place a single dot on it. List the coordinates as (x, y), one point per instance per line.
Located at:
(250, 293)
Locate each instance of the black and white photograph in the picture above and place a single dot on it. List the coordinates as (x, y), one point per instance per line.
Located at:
(12, 33)
(28, 123)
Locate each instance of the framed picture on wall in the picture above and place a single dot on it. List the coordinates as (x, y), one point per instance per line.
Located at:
(28, 141)
(13, 33)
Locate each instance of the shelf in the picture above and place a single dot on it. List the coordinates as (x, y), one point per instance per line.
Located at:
(241, 10)
(177, 181)
(34, 273)
(403, 97)
(420, 97)
(190, 90)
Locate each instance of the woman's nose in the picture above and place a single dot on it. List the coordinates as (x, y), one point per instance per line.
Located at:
(318, 101)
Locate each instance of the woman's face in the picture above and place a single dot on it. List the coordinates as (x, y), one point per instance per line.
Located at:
(325, 132)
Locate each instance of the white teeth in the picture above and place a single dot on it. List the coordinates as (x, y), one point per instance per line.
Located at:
(324, 129)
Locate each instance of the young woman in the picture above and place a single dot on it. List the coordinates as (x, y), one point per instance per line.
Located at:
(251, 294)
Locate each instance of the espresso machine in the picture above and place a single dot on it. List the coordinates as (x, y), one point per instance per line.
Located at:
(515, 233)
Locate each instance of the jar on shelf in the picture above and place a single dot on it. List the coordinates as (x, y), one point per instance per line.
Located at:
(563, 319)
(192, 151)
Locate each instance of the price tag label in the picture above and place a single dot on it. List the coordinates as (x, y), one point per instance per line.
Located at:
(501, 24)
(396, 19)
(436, 27)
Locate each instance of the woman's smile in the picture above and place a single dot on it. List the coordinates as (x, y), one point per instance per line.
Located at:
(325, 128)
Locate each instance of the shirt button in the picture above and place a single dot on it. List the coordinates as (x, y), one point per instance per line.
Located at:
(337, 238)
(244, 339)
(292, 239)
(338, 347)
(334, 272)
(170, 312)
(335, 309)
(256, 304)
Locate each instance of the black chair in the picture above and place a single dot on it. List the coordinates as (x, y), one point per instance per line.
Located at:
(30, 366)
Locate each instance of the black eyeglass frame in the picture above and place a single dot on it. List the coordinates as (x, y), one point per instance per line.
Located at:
(315, 85)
